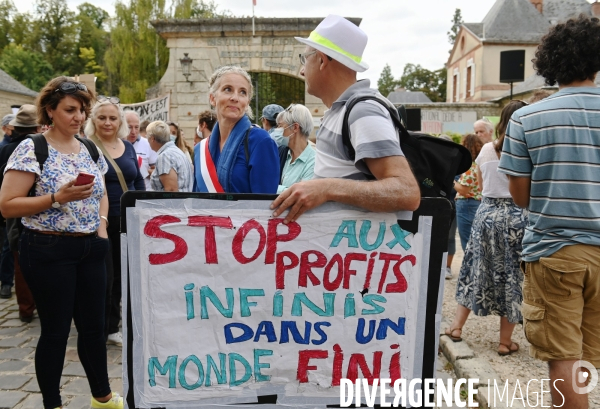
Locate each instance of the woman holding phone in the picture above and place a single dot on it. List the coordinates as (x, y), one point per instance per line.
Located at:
(108, 128)
(64, 240)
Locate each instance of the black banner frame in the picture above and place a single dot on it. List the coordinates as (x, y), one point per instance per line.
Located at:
(441, 211)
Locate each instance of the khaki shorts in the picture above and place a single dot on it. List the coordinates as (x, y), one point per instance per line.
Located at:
(561, 305)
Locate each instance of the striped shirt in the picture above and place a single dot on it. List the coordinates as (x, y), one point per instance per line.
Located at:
(372, 134)
(171, 157)
(556, 143)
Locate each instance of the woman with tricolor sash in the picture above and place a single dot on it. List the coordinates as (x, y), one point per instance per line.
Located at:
(237, 157)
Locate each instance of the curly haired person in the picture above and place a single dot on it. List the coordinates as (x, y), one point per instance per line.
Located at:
(551, 157)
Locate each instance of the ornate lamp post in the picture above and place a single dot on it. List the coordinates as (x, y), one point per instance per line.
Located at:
(186, 66)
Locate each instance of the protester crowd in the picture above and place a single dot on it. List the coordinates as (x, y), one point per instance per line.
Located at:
(526, 210)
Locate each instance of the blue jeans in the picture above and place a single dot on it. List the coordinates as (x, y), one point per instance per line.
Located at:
(465, 213)
(67, 278)
(7, 264)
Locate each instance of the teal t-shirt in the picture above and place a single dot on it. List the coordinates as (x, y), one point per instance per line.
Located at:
(556, 142)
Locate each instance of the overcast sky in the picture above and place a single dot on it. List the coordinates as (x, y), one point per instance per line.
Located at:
(400, 31)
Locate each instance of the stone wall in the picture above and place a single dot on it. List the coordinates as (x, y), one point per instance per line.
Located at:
(9, 98)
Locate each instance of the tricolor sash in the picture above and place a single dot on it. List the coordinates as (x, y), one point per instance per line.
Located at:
(208, 180)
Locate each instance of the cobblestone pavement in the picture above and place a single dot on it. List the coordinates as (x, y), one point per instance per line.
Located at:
(482, 334)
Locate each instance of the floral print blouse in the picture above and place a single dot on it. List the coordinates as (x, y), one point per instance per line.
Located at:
(469, 179)
(79, 216)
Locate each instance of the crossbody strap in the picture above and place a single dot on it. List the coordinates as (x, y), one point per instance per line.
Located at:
(99, 144)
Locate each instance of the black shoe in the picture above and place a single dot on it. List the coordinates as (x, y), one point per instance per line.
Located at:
(5, 291)
(26, 319)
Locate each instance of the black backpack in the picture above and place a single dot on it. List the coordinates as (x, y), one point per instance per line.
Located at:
(434, 161)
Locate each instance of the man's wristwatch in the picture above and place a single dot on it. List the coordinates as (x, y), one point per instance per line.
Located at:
(55, 203)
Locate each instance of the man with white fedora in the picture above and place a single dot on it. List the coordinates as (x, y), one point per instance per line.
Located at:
(331, 59)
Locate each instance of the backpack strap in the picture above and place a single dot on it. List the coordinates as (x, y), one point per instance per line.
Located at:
(246, 148)
(40, 148)
(91, 147)
(283, 154)
(346, 126)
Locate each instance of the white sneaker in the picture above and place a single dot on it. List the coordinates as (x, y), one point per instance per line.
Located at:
(448, 273)
(115, 339)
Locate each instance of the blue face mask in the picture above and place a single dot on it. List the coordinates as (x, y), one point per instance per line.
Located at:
(173, 137)
(277, 135)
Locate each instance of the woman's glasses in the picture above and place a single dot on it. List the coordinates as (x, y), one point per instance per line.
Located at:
(289, 108)
(112, 100)
(71, 87)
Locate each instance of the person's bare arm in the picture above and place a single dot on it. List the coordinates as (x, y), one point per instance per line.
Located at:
(395, 189)
(15, 202)
(479, 178)
(169, 181)
(103, 212)
(519, 188)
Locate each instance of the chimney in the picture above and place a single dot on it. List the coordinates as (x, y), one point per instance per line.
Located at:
(596, 9)
(538, 4)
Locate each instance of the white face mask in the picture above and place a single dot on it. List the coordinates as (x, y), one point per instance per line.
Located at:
(173, 137)
(277, 135)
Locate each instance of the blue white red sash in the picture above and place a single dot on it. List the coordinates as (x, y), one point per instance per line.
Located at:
(208, 170)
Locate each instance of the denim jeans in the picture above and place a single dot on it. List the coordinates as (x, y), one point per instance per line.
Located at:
(7, 266)
(465, 213)
(67, 278)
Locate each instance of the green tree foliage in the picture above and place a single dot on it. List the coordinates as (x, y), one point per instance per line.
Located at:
(457, 21)
(30, 68)
(386, 82)
(7, 11)
(431, 83)
(95, 14)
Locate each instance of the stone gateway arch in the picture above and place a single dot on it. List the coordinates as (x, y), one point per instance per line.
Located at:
(270, 56)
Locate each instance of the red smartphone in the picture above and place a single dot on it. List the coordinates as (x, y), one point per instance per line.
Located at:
(84, 179)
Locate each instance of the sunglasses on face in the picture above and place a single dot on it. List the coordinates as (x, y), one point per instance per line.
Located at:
(112, 100)
(71, 87)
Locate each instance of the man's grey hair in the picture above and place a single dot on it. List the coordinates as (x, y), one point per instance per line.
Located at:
(297, 114)
(160, 131)
(7, 118)
(485, 122)
(215, 82)
(90, 128)
(132, 112)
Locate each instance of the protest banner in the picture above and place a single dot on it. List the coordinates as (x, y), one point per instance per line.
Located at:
(230, 304)
(152, 110)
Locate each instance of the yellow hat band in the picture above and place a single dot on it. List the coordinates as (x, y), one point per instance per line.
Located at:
(319, 39)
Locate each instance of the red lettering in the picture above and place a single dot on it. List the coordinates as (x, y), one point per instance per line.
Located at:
(395, 364)
(281, 267)
(338, 360)
(358, 360)
(273, 237)
(304, 358)
(335, 284)
(210, 244)
(152, 229)
(370, 270)
(238, 240)
(350, 257)
(386, 265)
(400, 285)
(306, 267)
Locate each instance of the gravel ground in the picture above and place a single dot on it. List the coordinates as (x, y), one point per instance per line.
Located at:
(483, 334)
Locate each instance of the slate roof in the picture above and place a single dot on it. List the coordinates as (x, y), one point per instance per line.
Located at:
(557, 11)
(9, 84)
(514, 21)
(405, 97)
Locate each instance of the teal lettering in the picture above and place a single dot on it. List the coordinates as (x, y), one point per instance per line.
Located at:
(346, 230)
(349, 306)
(206, 292)
(169, 367)
(233, 357)
(258, 365)
(245, 304)
(221, 374)
(364, 232)
(278, 304)
(370, 299)
(189, 300)
(399, 237)
(182, 368)
(301, 298)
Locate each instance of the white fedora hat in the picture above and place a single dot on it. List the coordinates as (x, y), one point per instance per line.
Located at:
(340, 39)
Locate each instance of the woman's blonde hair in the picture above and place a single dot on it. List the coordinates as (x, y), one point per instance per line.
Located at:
(90, 127)
(215, 82)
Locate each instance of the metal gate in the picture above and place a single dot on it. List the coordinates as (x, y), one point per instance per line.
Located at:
(273, 88)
